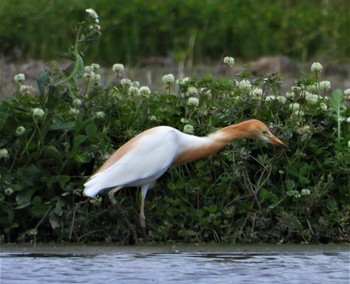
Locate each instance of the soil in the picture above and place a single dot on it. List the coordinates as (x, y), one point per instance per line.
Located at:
(151, 70)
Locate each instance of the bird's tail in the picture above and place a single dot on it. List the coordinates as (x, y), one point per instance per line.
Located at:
(93, 187)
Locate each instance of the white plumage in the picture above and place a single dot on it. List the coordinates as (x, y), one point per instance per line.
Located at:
(147, 156)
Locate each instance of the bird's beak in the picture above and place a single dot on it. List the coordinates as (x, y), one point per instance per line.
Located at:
(274, 140)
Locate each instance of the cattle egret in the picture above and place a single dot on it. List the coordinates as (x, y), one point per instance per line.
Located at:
(147, 156)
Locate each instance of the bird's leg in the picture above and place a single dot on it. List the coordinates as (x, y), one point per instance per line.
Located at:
(144, 190)
(111, 197)
(111, 194)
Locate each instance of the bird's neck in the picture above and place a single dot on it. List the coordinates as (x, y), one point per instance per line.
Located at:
(235, 131)
(200, 147)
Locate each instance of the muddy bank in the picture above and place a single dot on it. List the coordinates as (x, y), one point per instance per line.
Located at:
(150, 72)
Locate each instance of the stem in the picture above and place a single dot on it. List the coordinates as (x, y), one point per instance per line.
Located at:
(77, 62)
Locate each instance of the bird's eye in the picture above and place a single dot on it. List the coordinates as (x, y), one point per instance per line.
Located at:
(265, 132)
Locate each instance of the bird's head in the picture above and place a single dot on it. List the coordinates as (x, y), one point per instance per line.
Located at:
(256, 129)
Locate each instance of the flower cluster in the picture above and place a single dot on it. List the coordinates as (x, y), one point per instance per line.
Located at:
(38, 112)
(19, 78)
(245, 85)
(118, 68)
(188, 128)
(168, 79)
(184, 81)
(90, 73)
(20, 130)
(316, 67)
(4, 154)
(230, 61)
(145, 91)
(192, 101)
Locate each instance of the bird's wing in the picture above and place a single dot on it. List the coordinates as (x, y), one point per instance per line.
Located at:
(141, 160)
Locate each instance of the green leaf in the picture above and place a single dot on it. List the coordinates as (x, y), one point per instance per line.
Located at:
(78, 140)
(292, 192)
(23, 198)
(55, 220)
(337, 98)
(31, 232)
(91, 132)
(38, 208)
(42, 80)
(211, 208)
(52, 151)
(68, 126)
(290, 184)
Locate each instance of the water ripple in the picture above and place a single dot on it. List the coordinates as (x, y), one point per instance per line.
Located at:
(182, 267)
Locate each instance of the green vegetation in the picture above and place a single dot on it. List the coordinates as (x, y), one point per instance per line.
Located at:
(185, 29)
(50, 143)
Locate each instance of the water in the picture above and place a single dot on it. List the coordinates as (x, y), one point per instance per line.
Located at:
(177, 264)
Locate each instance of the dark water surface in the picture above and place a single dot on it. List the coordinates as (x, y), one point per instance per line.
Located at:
(175, 264)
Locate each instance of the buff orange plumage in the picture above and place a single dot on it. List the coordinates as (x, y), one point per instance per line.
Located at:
(147, 156)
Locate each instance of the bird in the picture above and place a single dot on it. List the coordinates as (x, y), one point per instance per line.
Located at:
(148, 155)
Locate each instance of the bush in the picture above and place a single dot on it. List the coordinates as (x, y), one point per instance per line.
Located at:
(249, 192)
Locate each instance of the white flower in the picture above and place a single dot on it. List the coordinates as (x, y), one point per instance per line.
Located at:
(323, 106)
(168, 79)
(245, 85)
(304, 129)
(20, 130)
(73, 111)
(25, 89)
(188, 128)
(297, 114)
(324, 85)
(312, 88)
(135, 91)
(96, 78)
(347, 91)
(193, 101)
(100, 114)
(192, 91)
(311, 98)
(270, 98)
(296, 89)
(95, 27)
(88, 69)
(349, 143)
(184, 120)
(281, 99)
(125, 82)
(183, 81)
(153, 118)
(316, 67)
(77, 102)
(257, 92)
(305, 192)
(347, 119)
(38, 112)
(294, 106)
(4, 153)
(118, 68)
(8, 191)
(95, 66)
(135, 84)
(91, 75)
(92, 13)
(290, 95)
(19, 78)
(230, 61)
(145, 91)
